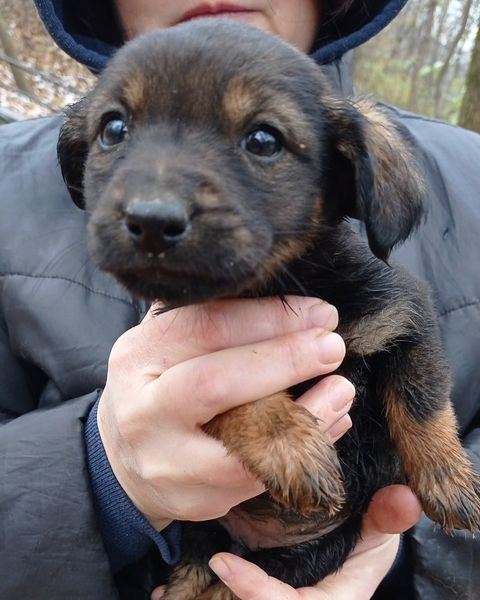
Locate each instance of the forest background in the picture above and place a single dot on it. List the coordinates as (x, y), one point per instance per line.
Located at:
(427, 61)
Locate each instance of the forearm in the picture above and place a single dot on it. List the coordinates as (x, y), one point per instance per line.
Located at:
(50, 536)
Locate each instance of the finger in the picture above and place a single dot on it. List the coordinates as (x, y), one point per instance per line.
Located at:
(361, 574)
(218, 383)
(202, 504)
(249, 582)
(330, 400)
(157, 593)
(393, 509)
(188, 502)
(227, 323)
(339, 429)
(212, 468)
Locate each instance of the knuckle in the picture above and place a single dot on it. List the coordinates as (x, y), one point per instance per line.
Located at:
(146, 471)
(210, 384)
(121, 353)
(158, 476)
(129, 423)
(294, 356)
(215, 324)
(210, 325)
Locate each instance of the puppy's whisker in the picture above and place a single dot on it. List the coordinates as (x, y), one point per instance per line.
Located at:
(161, 310)
(74, 188)
(289, 232)
(300, 287)
(286, 305)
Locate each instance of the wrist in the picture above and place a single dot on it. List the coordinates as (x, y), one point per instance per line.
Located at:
(122, 465)
(126, 532)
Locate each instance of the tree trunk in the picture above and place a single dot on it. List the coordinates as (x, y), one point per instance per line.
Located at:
(451, 51)
(470, 109)
(439, 34)
(5, 40)
(422, 52)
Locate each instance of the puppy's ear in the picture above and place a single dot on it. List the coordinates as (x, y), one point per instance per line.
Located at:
(375, 174)
(72, 150)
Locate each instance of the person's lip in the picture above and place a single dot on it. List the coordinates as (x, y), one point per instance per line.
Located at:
(218, 10)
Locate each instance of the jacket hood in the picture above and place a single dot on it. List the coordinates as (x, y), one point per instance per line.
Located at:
(90, 33)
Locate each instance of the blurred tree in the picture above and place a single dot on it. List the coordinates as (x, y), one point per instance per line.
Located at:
(470, 109)
(420, 62)
(422, 50)
(9, 48)
(451, 49)
(23, 37)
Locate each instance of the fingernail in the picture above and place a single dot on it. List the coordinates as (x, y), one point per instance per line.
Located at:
(323, 315)
(220, 567)
(330, 347)
(340, 395)
(340, 428)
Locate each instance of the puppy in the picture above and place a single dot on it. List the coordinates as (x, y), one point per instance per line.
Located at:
(215, 162)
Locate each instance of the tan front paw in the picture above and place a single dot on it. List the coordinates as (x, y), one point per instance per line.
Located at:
(281, 443)
(188, 581)
(218, 591)
(451, 498)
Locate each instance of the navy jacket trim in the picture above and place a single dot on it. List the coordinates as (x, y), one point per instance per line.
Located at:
(91, 52)
(333, 50)
(95, 53)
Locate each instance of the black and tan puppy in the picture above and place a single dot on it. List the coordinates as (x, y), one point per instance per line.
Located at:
(215, 162)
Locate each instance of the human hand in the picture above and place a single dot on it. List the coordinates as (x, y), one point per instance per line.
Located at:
(174, 372)
(392, 510)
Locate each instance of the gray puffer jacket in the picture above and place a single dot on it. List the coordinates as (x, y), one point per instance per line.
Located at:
(59, 317)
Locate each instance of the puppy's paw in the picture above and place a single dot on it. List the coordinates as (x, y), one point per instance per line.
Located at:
(301, 471)
(281, 443)
(436, 465)
(451, 498)
(218, 591)
(188, 581)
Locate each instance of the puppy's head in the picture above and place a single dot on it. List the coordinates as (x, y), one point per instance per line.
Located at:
(211, 154)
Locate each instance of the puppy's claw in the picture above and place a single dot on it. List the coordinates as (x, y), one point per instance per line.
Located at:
(304, 479)
(452, 500)
(281, 443)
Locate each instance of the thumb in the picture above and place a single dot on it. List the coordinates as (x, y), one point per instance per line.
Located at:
(249, 582)
(157, 593)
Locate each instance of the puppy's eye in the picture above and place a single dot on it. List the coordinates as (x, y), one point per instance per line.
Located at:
(265, 142)
(113, 130)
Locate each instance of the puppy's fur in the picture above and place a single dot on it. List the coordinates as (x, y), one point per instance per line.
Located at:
(215, 162)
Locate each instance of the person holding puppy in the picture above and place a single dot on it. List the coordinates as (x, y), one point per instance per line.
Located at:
(93, 487)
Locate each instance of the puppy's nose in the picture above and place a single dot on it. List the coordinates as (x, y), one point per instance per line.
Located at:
(154, 226)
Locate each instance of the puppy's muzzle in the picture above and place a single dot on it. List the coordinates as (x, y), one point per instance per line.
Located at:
(155, 226)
